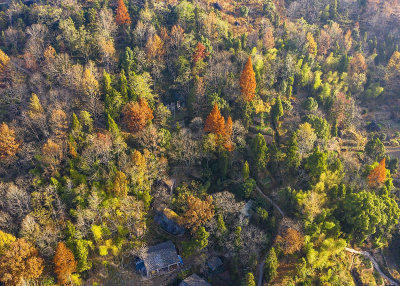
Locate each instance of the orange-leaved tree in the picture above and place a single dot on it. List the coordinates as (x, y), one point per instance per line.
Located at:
(378, 174)
(137, 115)
(122, 17)
(21, 262)
(248, 81)
(64, 263)
(228, 134)
(215, 122)
(198, 211)
(8, 144)
(199, 53)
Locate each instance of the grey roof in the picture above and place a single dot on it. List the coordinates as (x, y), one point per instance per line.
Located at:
(214, 262)
(194, 280)
(160, 256)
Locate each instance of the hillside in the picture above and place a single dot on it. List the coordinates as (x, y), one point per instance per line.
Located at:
(159, 142)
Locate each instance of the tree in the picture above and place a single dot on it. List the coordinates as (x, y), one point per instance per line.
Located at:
(155, 48)
(375, 149)
(79, 247)
(321, 126)
(259, 148)
(51, 155)
(311, 45)
(276, 111)
(248, 81)
(245, 171)
(123, 85)
(292, 154)
(19, 263)
(120, 185)
(35, 108)
(357, 64)
(198, 212)
(392, 76)
(377, 175)
(305, 138)
(4, 60)
(136, 115)
(248, 187)
(316, 164)
(291, 241)
(64, 263)
(5, 240)
(249, 280)
(199, 53)
(122, 15)
(228, 134)
(215, 122)
(366, 214)
(271, 265)
(8, 144)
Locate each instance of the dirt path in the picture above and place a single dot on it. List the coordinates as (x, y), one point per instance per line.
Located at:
(374, 262)
(351, 250)
(262, 262)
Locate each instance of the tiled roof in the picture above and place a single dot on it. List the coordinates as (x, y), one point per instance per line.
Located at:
(160, 256)
(194, 280)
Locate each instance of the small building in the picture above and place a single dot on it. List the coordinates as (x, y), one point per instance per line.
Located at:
(169, 221)
(158, 259)
(194, 280)
(214, 263)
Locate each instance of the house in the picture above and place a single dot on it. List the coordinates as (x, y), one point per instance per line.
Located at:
(169, 221)
(214, 263)
(194, 280)
(158, 259)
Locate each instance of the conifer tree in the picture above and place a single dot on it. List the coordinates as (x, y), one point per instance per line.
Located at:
(122, 16)
(249, 280)
(277, 111)
(292, 154)
(248, 81)
(259, 148)
(245, 171)
(271, 265)
(123, 85)
(215, 122)
(64, 263)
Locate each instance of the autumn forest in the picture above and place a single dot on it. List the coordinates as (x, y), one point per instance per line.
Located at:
(198, 142)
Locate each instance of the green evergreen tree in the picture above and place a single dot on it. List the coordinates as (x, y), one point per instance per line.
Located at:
(292, 155)
(249, 280)
(276, 111)
(87, 121)
(128, 61)
(316, 164)
(123, 86)
(221, 225)
(76, 128)
(333, 10)
(259, 149)
(245, 170)
(271, 265)
(107, 88)
(223, 163)
(375, 149)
